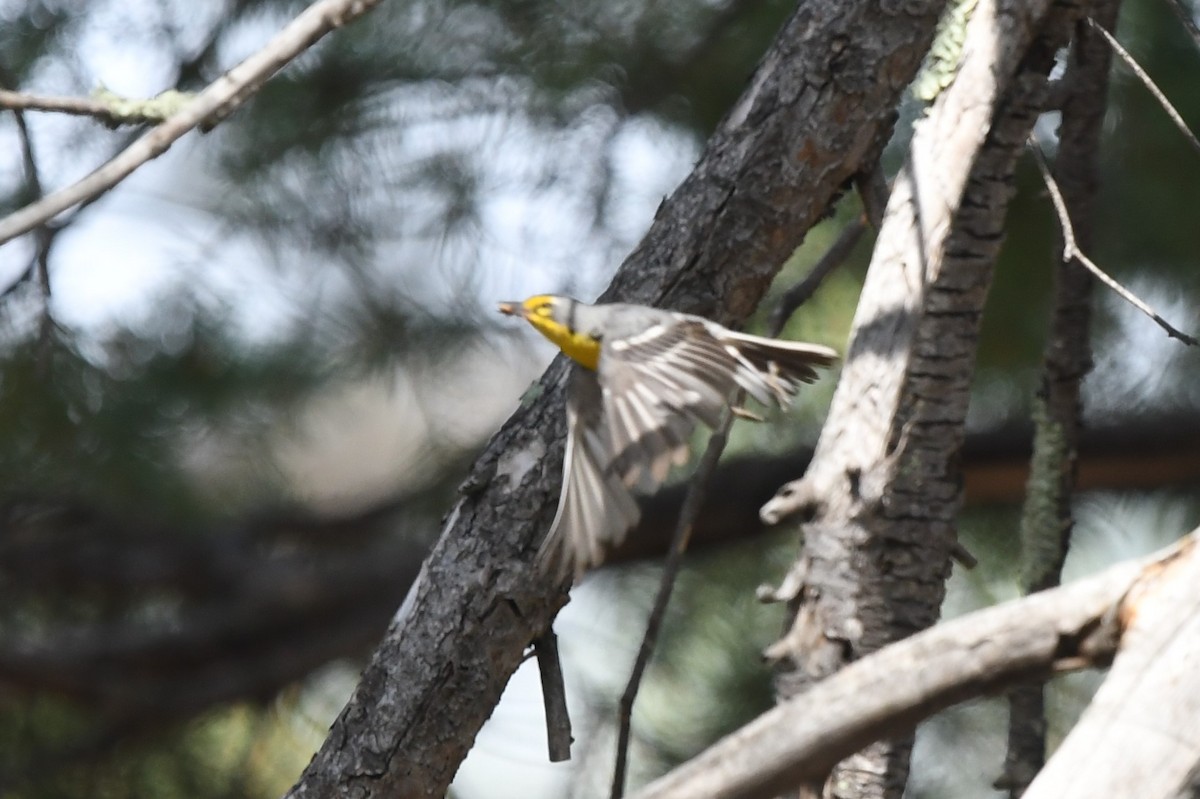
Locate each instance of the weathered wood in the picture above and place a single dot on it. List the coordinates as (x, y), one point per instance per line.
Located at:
(884, 487)
(1140, 736)
(890, 691)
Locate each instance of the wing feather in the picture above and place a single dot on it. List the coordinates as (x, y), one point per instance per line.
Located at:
(633, 419)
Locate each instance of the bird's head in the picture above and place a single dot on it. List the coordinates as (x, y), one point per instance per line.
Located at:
(552, 315)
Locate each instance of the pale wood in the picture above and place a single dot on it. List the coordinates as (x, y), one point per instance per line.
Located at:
(1140, 736)
(1070, 627)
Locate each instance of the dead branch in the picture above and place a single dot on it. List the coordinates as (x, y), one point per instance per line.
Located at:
(693, 501)
(102, 109)
(1139, 736)
(800, 292)
(1071, 251)
(1047, 518)
(554, 697)
(1072, 627)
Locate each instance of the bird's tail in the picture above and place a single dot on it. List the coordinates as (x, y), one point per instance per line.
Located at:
(773, 368)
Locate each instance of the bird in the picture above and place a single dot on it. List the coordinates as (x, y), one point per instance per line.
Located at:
(643, 378)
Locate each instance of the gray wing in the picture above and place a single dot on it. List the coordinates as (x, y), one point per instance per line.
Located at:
(595, 508)
(658, 385)
(631, 421)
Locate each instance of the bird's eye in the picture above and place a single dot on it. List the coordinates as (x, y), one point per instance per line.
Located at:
(543, 310)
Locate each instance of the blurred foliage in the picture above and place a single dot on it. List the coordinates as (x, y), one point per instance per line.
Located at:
(380, 190)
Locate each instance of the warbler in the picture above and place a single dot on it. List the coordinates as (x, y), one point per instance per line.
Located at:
(642, 379)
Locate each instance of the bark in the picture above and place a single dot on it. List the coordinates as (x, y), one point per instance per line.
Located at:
(815, 113)
(884, 487)
(1071, 627)
(1047, 520)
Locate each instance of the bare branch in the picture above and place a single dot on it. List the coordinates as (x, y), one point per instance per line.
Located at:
(1071, 250)
(800, 293)
(886, 469)
(554, 697)
(1148, 82)
(221, 96)
(107, 108)
(891, 690)
(692, 503)
(1047, 518)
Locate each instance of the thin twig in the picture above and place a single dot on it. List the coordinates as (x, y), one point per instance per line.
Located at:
(75, 106)
(799, 294)
(683, 531)
(1146, 80)
(554, 697)
(217, 99)
(1071, 250)
(873, 190)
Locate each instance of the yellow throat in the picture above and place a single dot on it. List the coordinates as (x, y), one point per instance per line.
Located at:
(580, 347)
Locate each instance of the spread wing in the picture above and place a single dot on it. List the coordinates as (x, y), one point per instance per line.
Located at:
(595, 508)
(657, 386)
(632, 420)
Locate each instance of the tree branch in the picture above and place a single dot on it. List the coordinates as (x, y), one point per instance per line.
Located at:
(1148, 82)
(883, 491)
(890, 691)
(693, 501)
(221, 96)
(109, 109)
(1138, 736)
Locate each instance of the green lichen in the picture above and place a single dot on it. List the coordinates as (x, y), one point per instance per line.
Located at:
(125, 110)
(942, 60)
(1043, 539)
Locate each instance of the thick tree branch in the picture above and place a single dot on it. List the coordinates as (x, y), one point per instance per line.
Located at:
(816, 112)
(217, 100)
(1072, 627)
(883, 489)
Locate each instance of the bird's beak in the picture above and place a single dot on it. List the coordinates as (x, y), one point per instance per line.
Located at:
(512, 309)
